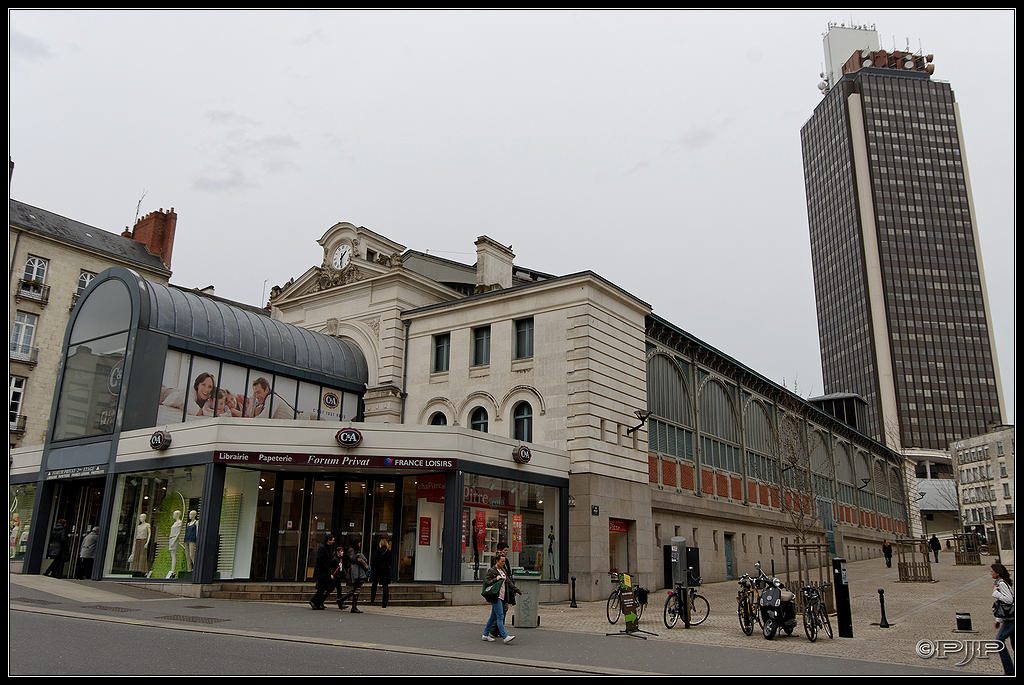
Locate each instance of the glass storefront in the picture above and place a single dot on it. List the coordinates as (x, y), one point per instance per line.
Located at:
(153, 533)
(523, 515)
(271, 524)
(419, 549)
(20, 500)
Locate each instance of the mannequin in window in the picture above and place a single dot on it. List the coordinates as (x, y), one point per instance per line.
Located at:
(173, 544)
(190, 539)
(139, 558)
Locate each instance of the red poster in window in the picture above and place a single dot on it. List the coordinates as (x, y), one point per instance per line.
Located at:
(465, 524)
(481, 529)
(425, 531)
(517, 533)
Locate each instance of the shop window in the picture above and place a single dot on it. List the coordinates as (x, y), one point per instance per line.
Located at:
(154, 533)
(419, 547)
(522, 515)
(20, 501)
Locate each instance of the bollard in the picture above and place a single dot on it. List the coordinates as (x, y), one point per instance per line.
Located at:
(963, 623)
(881, 600)
(572, 604)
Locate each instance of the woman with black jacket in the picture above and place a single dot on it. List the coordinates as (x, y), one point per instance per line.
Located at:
(380, 570)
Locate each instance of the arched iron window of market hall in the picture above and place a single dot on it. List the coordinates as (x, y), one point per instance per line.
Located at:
(91, 380)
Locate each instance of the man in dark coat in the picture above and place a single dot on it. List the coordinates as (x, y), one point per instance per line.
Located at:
(324, 572)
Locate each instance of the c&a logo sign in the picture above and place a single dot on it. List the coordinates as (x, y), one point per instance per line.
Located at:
(348, 437)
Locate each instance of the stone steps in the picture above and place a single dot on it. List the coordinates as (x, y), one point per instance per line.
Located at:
(400, 595)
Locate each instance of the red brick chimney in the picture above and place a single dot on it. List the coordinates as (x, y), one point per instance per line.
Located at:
(156, 232)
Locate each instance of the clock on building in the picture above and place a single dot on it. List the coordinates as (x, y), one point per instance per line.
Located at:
(342, 256)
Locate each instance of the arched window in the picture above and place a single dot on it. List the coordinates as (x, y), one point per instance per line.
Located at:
(522, 422)
(439, 419)
(478, 420)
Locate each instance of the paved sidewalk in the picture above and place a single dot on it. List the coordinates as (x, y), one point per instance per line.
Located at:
(917, 613)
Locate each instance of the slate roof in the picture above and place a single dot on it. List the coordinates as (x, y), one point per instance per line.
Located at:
(57, 227)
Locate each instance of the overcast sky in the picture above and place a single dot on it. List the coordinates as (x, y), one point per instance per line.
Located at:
(659, 149)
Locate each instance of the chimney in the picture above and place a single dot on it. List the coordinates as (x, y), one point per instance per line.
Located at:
(493, 265)
(156, 232)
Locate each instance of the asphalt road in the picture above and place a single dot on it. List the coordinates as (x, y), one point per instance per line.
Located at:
(60, 627)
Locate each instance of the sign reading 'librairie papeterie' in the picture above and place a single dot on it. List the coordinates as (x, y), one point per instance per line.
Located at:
(334, 460)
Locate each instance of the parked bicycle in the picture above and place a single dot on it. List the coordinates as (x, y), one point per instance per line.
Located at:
(614, 606)
(697, 604)
(815, 612)
(747, 604)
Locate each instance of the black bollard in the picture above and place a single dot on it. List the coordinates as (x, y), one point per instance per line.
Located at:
(881, 599)
(572, 604)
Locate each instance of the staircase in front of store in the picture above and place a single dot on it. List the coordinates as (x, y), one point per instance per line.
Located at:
(401, 594)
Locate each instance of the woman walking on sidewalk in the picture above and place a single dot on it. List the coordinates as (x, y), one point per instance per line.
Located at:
(504, 588)
(1003, 592)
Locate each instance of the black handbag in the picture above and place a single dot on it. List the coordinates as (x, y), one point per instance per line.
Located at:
(1002, 610)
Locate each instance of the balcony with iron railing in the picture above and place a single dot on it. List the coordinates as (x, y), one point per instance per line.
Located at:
(17, 425)
(23, 353)
(35, 291)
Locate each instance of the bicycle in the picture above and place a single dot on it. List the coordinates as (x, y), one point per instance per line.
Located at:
(698, 605)
(815, 613)
(613, 608)
(747, 604)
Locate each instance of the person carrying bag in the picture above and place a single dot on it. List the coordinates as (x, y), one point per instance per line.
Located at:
(497, 586)
(1003, 610)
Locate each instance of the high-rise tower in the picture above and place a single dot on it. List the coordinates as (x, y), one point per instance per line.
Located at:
(903, 314)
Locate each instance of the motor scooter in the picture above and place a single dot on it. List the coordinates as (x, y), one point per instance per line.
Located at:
(778, 606)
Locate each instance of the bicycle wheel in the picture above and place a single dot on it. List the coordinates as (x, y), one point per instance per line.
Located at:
(699, 610)
(746, 619)
(640, 610)
(672, 610)
(614, 608)
(810, 624)
(823, 620)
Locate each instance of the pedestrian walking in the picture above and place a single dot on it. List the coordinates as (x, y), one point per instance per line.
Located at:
(935, 547)
(497, 587)
(502, 550)
(1003, 608)
(323, 573)
(355, 566)
(887, 553)
(380, 572)
(57, 550)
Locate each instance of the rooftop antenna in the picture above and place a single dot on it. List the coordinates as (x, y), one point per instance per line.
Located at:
(138, 208)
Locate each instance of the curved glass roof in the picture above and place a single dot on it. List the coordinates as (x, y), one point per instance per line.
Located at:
(183, 314)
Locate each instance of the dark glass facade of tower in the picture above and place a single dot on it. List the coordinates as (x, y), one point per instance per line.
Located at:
(902, 311)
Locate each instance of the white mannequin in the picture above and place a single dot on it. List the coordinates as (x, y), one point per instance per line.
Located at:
(191, 530)
(172, 543)
(140, 558)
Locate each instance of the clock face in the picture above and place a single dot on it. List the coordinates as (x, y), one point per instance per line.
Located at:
(342, 255)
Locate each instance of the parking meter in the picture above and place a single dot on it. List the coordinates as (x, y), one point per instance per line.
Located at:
(678, 557)
(841, 588)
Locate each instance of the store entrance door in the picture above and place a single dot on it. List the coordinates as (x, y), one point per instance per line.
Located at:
(307, 508)
(77, 503)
